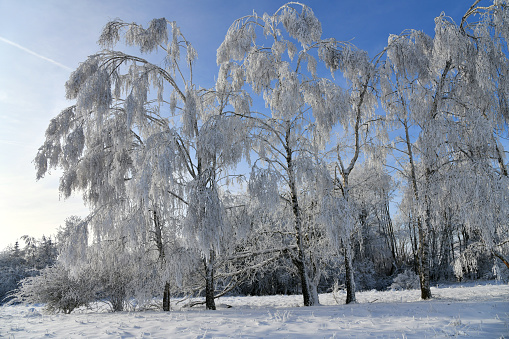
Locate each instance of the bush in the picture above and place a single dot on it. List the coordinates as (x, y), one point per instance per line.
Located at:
(56, 288)
(407, 280)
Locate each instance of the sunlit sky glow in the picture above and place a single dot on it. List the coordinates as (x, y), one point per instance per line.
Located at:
(41, 42)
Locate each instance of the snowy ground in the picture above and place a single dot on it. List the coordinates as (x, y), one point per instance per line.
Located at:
(469, 310)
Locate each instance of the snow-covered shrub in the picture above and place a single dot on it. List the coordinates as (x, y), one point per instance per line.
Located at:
(407, 280)
(336, 291)
(113, 288)
(272, 279)
(500, 272)
(476, 262)
(117, 272)
(365, 276)
(57, 289)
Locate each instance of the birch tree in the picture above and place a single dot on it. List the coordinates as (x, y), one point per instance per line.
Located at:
(145, 145)
(302, 109)
(358, 124)
(452, 88)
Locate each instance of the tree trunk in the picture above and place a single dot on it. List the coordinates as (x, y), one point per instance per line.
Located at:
(423, 233)
(350, 281)
(117, 299)
(310, 298)
(158, 237)
(347, 246)
(345, 173)
(166, 297)
(414, 244)
(209, 282)
(424, 265)
(388, 230)
(424, 269)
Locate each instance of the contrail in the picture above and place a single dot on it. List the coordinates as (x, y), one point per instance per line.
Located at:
(35, 54)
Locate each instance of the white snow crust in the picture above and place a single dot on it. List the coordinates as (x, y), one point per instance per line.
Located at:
(473, 310)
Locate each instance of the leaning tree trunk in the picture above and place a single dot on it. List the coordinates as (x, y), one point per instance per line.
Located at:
(209, 282)
(499, 256)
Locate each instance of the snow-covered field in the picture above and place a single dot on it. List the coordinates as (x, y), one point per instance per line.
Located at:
(469, 310)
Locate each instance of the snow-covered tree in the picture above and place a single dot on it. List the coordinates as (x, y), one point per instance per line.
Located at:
(357, 125)
(451, 90)
(145, 145)
(303, 107)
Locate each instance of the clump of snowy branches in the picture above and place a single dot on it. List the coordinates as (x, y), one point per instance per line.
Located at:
(407, 280)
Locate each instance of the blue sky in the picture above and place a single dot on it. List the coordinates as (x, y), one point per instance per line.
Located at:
(42, 41)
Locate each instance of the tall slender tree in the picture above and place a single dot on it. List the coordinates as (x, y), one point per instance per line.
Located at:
(289, 135)
(358, 125)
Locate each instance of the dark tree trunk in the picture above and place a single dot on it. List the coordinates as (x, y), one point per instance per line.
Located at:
(350, 281)
(304, 280)
(308, 293)
(424, 267)
(158, 237)
(415, 245)
(209, 282)
(117, 300)
(391, 238)
(166, 297)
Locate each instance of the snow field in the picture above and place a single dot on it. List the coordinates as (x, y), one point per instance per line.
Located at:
(473, 311)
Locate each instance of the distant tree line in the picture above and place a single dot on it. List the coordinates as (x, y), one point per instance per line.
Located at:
(18, 263)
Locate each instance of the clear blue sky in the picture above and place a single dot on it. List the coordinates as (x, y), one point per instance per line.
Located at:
(41, 41)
